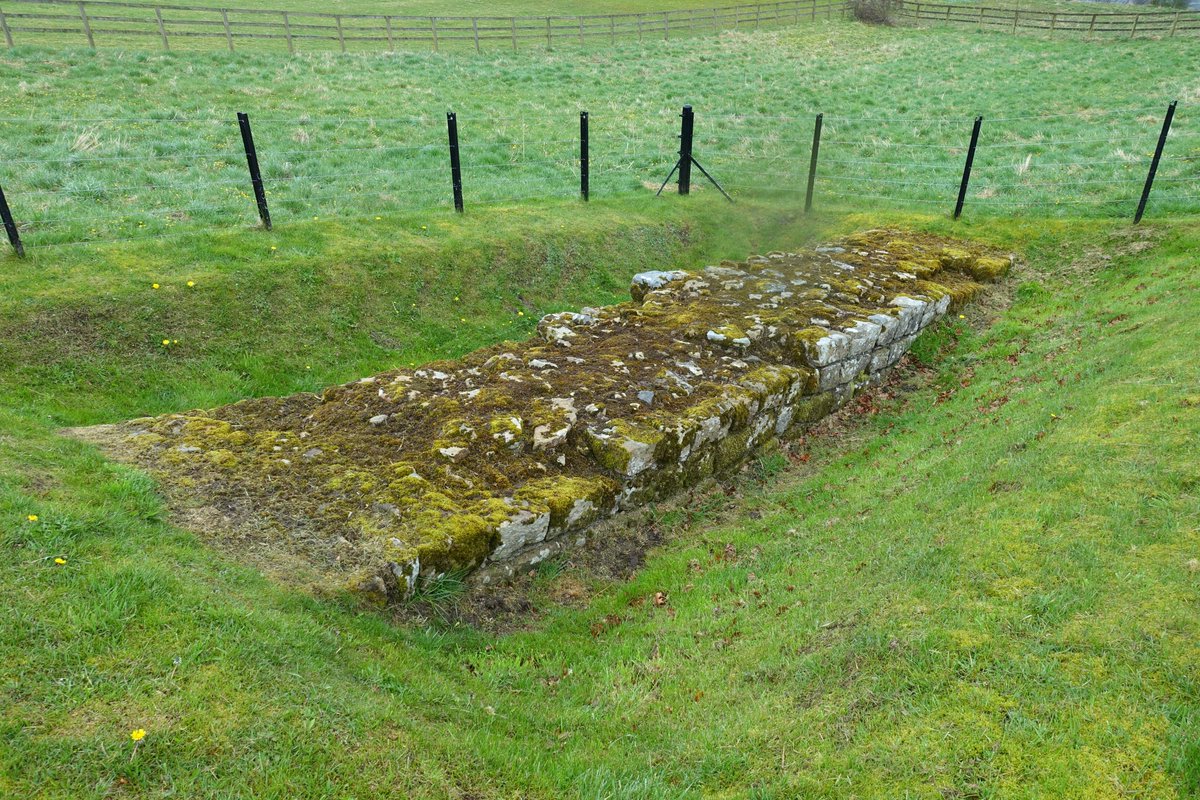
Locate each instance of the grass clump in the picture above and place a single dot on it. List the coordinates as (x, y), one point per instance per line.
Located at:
(873, 12)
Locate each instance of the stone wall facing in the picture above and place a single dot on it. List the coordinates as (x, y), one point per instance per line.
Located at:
(497, 460)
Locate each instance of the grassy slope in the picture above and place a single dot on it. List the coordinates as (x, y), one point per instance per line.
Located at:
(992, 602)
(898, 107)
(989, 588)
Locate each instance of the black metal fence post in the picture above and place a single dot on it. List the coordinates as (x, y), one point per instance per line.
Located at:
(455, 166)
(260, 196)
(966, 178)
(583, 155)
(685, 151)
(10, 226)
(1162, 141)
(812, 163)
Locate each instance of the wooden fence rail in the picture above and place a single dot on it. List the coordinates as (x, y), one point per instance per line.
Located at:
(109, 22)
(1117, 23)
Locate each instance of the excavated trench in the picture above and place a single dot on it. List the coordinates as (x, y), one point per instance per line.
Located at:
(497, 460)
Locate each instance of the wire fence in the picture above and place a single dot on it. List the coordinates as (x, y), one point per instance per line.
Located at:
(71, 182)
(106, 23)
(1151, 23)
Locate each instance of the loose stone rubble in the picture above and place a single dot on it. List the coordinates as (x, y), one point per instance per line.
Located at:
(499, 459)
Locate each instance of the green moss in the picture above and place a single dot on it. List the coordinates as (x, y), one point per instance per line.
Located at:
(207, 433)
(730, 451)
(956, 258)
(924, 268)
(559, 496)
(812, 408)
(507, 429)
(989, 268)
(224, 459)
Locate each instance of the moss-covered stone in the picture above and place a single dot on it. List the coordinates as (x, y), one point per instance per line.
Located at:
(459, 463)
(989, 268)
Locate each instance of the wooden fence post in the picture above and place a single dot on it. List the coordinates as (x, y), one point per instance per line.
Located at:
(433, 28)
(475, 28)
(341, 34)
(162, 29)
(514, 32)
(287, 30)
(1092, 25)
(7, 32)
(387, 21)
(228, 33)
(87, 26)
(1133, 28)
(1175, 24)
(1016, 16)
(549, 35)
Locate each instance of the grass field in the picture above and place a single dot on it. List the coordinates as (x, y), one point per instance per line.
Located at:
(60, 24)
(988, 587)
(359, 136)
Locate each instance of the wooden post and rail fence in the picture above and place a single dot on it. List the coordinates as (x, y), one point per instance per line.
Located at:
(99, 23)
(166, 26)
(1012, 19)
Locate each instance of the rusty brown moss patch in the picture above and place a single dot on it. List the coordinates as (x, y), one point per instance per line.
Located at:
(509, 453)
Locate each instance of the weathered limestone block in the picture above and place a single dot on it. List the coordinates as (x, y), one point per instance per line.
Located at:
(505, 456)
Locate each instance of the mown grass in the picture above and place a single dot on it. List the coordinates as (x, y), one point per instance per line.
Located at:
(988, 588)
(1069, 127)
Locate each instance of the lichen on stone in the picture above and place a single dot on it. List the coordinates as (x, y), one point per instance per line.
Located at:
(488, 460)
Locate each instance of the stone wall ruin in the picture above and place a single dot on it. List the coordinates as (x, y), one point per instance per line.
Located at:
(498, 459)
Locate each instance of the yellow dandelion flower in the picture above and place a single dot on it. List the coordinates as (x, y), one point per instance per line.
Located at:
(191, 284)
(154, 286)
(138, 735)
(520, 313)
(424, 227)
(273, 247)
(962, 316)
(32, 518)
(378, 218)
(60, 561)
